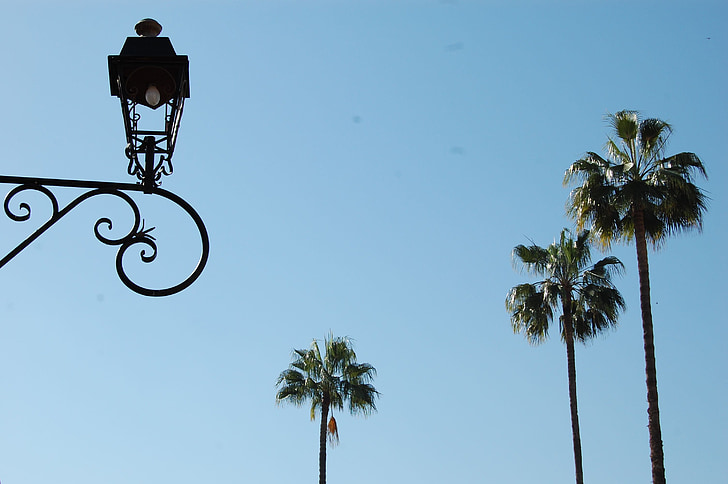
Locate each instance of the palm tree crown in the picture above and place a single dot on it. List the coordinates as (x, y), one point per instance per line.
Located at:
(636, 177)
(595, 302)
(329, 380)
(589, 304)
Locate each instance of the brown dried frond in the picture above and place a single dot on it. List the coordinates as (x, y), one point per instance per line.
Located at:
(333, 431)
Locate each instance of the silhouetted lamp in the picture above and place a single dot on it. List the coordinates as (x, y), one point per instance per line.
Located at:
(150, 74)
(147, 75)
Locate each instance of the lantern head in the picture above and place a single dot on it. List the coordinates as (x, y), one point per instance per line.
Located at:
(149, 73)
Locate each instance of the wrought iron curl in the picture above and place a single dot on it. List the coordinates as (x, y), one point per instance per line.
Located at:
(141, 236)
(137, 225)
(134, 168)
(134, 115)
(137, 234)
(164, 167)
(25, 207)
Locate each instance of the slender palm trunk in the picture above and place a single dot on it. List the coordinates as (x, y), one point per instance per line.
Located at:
(653, 410)
(571, 368)
(322, 439)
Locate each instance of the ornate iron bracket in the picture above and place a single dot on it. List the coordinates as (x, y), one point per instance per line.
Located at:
(138, 234)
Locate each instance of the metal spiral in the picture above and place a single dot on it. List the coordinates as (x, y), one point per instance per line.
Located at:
(136, 235)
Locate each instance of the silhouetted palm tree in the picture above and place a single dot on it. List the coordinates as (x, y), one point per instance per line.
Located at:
(328, 381)
(588, 301)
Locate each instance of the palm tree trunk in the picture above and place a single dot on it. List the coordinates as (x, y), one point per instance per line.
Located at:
(653, 410)
(571, 368)
(322, 439)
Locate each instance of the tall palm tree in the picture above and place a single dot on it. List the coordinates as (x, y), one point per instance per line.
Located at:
(638, 193)
(328, 381)
(589, 303)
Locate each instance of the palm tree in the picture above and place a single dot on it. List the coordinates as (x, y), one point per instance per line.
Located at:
(638, 193)
(589, 303)
(328, 381)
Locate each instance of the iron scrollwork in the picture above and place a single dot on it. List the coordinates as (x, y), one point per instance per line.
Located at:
(137, 234)
(151, 142)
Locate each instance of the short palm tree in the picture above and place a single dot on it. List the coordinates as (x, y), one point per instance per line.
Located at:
(584, 294)
(328, 381)
(638, 193)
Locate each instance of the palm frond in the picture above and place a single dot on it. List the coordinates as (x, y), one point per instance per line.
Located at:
(530, 311)
(533, 258)
(603, 270)
(362, 398)
(294, 387)
(625, 124)
(684, 165)
(580, 255)
(619, 156)
(593, 203)
(653, 135)
(598, 309)
(359, 372)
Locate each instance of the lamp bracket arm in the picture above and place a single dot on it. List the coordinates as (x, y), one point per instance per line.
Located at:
(137, 234)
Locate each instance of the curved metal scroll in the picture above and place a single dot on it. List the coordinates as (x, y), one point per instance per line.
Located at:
(138, 234)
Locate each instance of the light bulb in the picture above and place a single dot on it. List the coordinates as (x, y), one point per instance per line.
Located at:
(152, 95)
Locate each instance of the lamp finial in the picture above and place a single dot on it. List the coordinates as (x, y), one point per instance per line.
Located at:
(148, 28)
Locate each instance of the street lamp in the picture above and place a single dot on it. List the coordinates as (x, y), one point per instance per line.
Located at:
(147, 76)
(149, 73)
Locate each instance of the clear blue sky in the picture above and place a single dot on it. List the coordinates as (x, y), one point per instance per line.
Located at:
(363, 167)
